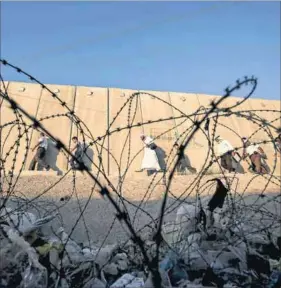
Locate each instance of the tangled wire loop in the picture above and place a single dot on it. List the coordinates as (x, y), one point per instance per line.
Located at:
(208, 239)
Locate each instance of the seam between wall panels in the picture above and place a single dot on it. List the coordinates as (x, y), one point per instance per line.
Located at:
(139, 96)
(173, 114)
(71, 122)
(1, 104)
(193, 140)
(197, 97)
(108, 123)
(32, 129)
(6, 88)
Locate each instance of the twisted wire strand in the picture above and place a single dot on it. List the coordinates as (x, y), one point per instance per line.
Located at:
(191, 124)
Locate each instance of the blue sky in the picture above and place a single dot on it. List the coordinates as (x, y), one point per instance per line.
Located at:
(199, 47)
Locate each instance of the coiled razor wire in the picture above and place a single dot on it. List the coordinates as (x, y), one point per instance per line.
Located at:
(236, 202)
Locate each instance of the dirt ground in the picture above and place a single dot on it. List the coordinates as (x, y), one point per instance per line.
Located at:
(69, 196)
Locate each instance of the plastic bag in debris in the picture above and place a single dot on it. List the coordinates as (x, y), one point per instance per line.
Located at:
(186, 217)
(174, 267)
(18, 220)
(73, 251)
(33, 277)
(221, 219)
(54, 248)
(128, 281)
(25, 222)
(77, 255)
(38, 223)
(171, 232)
(101, 256)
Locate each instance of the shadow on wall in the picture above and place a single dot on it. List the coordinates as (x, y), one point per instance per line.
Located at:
(184, 166)
(161, 155)
(237, 162)
(239, 168)
(88, 156)
(52, 156)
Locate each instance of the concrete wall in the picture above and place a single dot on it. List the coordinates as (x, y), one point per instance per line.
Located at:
(99, 110)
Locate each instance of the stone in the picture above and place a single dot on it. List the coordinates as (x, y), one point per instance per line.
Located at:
(122, 265)
(111, 269)
(104, 254)
(123, 281)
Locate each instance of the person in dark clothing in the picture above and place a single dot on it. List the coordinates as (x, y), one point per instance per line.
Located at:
(39, 157)
(78, 153)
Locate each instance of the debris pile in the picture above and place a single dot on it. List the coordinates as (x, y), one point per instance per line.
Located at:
(218, 244)
(208, 245)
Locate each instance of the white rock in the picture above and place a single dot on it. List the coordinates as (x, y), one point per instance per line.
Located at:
(120, 256)
(104, 254)
(136, 283)
(221, 221)
(123, 281)
(256, 238)
(188, 211)
(186, 217)
(122, 265)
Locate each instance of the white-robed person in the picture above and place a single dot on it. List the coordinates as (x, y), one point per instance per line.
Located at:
(255, 153)
(226, 152)
(150, 160)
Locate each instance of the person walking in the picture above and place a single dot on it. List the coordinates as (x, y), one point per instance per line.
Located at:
(78, 153)
(39, 157)
(150, 160)
(226, 153)
(255, 153)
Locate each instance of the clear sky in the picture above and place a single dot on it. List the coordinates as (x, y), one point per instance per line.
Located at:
(199, 47)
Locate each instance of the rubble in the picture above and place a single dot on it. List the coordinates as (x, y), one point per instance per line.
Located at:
(202, 248)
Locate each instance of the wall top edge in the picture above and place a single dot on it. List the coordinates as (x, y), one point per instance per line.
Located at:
(144, 91)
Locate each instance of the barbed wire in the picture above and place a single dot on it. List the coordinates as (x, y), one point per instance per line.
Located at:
(200, 189)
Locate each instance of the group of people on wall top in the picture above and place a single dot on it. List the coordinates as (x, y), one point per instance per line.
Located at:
(229, 157)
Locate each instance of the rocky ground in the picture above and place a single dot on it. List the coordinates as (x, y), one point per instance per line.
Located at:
(236, 233)
(52, 192)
